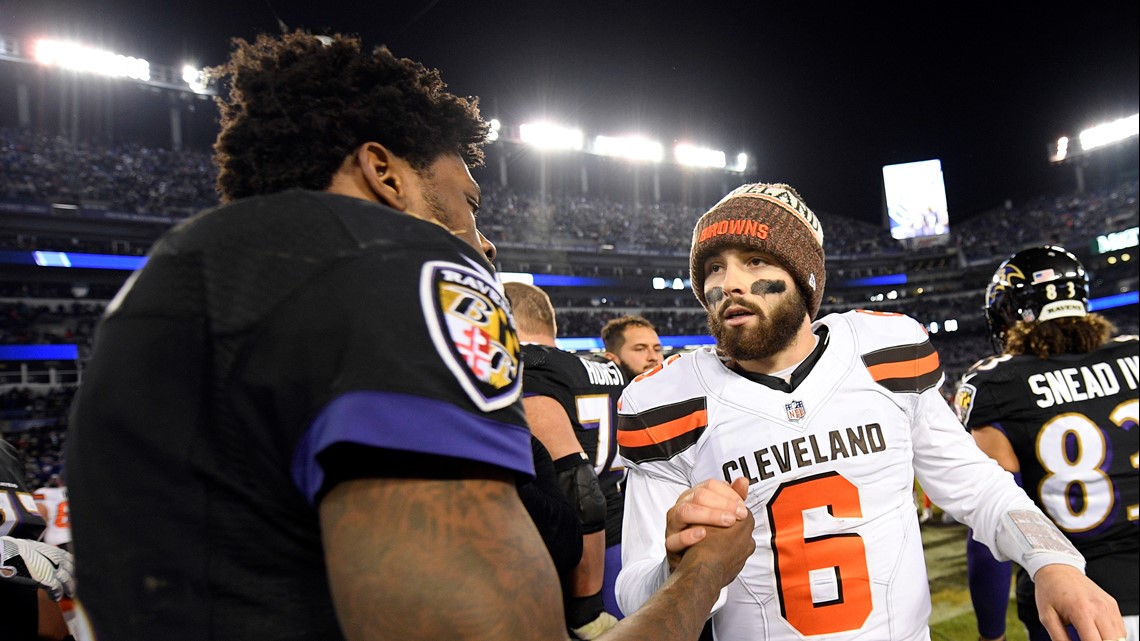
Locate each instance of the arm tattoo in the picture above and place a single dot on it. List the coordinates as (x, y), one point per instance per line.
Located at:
(438, 559)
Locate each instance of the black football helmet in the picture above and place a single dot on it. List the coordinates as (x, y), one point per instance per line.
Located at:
(1035, 284)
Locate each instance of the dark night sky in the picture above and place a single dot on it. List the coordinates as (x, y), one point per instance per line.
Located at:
(819, 98)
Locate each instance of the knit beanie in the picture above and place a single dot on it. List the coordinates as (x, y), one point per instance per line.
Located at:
(772, 219)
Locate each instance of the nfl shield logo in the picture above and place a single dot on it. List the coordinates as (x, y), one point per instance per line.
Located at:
(795, 410)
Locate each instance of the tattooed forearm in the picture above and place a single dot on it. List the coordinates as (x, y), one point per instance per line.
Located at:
(438, 559)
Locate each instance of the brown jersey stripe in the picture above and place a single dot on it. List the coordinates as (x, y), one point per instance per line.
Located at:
(904, 369)
(899, 353)
(916, 384)
(662, 451)
(662, 432)
(663, 414)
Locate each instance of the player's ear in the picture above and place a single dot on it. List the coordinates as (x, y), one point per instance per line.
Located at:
(385, 174)
(612, 357)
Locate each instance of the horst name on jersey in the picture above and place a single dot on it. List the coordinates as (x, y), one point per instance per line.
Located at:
(602, 373)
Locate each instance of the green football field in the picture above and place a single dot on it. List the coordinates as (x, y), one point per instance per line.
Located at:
(952, 618)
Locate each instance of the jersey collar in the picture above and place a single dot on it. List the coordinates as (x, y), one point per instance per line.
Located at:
(798, 375)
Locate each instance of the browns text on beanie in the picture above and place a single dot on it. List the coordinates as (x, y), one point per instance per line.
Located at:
(771, 218)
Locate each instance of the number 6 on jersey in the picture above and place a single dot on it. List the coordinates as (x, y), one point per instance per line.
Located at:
(822, 581)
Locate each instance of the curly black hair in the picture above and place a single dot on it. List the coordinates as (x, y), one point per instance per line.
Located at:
(1046, 339)
(300, 104)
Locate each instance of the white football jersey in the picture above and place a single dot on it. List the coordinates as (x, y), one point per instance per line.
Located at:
(57, 515)
(832, 459)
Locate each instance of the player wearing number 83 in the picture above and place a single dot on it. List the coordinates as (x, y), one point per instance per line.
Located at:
(830, 421)
(1058, 405)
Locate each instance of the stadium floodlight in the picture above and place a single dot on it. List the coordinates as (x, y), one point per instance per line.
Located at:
(76, 57)
(741, 162)
(548, 136)
(1061, 151)
(693, 156)
(195, 78)
(630, 147)
(493, 131)
(1110, 132)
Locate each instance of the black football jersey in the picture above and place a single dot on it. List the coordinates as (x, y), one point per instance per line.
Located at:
(588, 390)
(1072, 422)
(258, 336)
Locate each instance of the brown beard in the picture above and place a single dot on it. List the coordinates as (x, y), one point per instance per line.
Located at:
(771, 337)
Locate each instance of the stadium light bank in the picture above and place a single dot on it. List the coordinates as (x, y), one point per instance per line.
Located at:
(1091, 140)
(74, 56)
(1095, 137)
(549, 136)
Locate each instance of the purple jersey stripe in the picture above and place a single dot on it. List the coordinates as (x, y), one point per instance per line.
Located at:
(400, 422)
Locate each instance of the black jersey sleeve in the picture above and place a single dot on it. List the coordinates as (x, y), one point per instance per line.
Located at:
(548, 372)
(407, 348)
(983, 393)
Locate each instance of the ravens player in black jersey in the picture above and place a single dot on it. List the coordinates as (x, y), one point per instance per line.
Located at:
(570, 405)
(312, 392)
(1058, 406)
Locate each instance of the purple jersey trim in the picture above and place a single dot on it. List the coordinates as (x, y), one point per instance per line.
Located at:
(411, 423)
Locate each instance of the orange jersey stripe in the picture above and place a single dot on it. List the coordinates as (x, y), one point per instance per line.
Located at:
(664, 431)
(905, 369)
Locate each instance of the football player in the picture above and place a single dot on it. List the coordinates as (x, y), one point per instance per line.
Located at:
(1058, 407)
(632, 342)
(570, 406)
(312, 392)
(829, 422)
(56, 511)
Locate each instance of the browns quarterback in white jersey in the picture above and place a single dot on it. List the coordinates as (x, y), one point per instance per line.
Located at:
(54, 507)
(830, 422)
(1057, 406)
(831, 461)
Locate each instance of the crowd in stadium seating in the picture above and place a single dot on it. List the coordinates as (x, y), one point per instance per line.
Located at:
(127, 177)
(132, 178)
(37, 424)
(27, 324)
(1057, 219)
